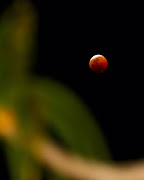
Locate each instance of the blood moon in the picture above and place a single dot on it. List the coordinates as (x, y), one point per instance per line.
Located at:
(98, 63)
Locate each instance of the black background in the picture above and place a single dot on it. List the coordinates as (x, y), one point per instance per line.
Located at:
(69, 34)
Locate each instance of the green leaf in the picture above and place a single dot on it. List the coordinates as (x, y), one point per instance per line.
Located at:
(21, 165)
(67, 115)
(17, 41)
(49, 103)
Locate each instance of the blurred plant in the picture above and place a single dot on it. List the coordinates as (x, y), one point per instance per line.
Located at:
(33, 111)
(40, 105)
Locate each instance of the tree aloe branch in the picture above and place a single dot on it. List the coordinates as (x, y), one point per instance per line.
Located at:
(48, 153)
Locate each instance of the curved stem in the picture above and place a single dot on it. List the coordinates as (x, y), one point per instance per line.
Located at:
(55, 158)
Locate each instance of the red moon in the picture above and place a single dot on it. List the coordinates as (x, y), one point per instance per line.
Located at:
(98, 63)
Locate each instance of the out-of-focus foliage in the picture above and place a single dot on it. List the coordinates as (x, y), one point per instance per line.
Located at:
(17, 41)
(67, 115)
(41, 104)
(21, 165)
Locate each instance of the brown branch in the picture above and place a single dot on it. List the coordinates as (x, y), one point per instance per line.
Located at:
(55, 158)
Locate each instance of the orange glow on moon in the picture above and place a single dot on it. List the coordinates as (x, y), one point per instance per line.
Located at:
(98, 63)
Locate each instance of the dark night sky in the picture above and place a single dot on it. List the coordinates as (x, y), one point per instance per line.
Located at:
(68, 38)
(69, 35)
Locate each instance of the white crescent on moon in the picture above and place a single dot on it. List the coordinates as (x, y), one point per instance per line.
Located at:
(95, 56)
